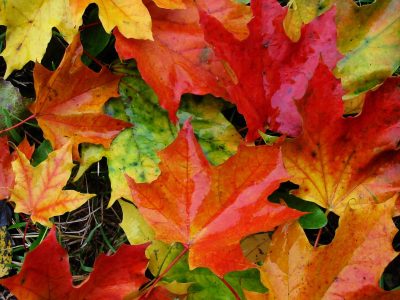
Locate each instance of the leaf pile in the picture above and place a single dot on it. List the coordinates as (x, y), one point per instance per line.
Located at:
(244, 151)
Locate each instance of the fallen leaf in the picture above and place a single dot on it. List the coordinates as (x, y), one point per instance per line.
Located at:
(179, 61)
(11, 103)
(271, 70)
(255, 247)
(345, 161)
(38, 191)
(131, 17)
(75, 112)
(348, 268)
(233, 16)
(299, 13)
(368, 36)
(29, 29)
(203, 283)
(7, 177)
(46, 275)
(154, 131)
(136, 229)
(210, 209)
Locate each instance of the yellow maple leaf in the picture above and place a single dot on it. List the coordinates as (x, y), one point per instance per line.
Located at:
(39, 190)
(130, 16)
(29, 29)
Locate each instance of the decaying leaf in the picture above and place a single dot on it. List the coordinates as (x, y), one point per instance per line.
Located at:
(348, 268)
(345, 161)
(45, 274)
(210, 209)
(75, 112)
(38, 191)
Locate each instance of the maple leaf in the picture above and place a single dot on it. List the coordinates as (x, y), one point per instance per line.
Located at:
(39, 190)
(271, 70)
(179, 61)
(348, 268)
(131, 17)
(340, 161)
(29, 29)
(45, 274)
(153, 131)
(75, 112)
(210, 209)
(7, 176)
(368, 35)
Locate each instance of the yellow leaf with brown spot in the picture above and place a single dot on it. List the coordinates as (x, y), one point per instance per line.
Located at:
(29, 29)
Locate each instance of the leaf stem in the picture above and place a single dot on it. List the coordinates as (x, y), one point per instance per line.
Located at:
(18, 124)
(320, 231)
(318, 237)
(176, 259)
(235, 294)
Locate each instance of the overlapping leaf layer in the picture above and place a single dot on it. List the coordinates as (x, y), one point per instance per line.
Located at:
(227, 141)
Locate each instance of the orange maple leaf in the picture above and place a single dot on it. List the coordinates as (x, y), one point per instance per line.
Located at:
(69, 102)
(39, 190)
(348, 268)
(341, 161)
(210, 209)
(46, 275)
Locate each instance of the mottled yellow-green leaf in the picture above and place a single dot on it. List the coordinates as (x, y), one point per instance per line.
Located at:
(217, 137)
(29, 29)
(134, 151)
(369, 36)
(5, 251)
